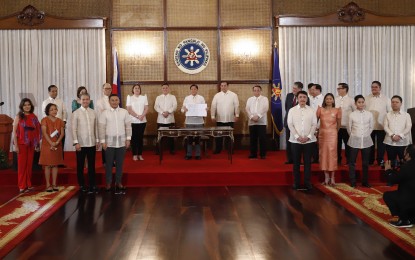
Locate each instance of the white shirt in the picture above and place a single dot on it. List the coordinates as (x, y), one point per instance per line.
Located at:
(316, 101)
(165, 103)
(193, 120)
(225, 107)
(62, 114)
(379, 106)
(114, 127)
(102, 104)
(360, 127)
(347, 106)
(84, 127)
(398, 123)
(137, 104)
(257, 106)
(302, 122)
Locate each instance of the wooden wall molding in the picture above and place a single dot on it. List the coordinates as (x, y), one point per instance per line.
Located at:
(31, 18)
(349, 15)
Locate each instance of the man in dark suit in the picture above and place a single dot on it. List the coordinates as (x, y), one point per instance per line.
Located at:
(290, 101)
(401, 202)
(411, 112)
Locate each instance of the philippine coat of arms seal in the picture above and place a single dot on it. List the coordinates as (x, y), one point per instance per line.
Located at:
(191, 56)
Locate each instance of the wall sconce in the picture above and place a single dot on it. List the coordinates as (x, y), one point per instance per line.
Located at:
(139, 51)
(245, 51)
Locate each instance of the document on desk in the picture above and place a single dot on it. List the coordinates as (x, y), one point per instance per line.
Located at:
(196, 110)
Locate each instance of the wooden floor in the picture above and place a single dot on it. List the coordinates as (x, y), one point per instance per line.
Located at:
(205, 223)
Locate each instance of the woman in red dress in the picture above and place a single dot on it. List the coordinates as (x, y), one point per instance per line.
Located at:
(51, 148)
(26, 139)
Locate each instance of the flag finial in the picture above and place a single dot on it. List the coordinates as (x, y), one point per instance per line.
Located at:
(275, 44)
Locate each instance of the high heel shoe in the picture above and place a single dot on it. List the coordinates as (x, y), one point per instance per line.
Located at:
(332, 182)
(326, 180)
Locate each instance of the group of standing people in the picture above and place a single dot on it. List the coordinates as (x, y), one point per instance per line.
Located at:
(113, 128)
(319, 125)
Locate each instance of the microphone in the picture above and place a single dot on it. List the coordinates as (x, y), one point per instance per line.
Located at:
(1, 103)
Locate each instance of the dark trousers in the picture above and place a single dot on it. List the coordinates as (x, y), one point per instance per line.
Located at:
(103, 156)
(315, 152)
(258, 133)
(398, 207)
(137, 138)
(219, 140)
(169, 140)
(114, 154)
(378, 136)
(288, 152)
(63, 143)
(393, 152)
(299, 150)
(342, 136)
(191, 140)
(89, 153)
(365, 163)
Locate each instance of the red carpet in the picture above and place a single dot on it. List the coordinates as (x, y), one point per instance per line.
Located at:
(368, 205)
(212, 170)
(24, 213)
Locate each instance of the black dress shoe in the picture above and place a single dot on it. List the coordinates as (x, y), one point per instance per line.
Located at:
(188, 157)
(401, 223)
(381, 163)
(296, 187)
(172, 152)
(216, 152)
(353, 185)
(367, 185)
(308, 187)
(252, 156)
(198, 158)
(263, 157)
(289, 162)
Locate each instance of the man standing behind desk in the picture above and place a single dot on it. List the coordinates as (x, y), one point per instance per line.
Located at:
(165, 106)
(225, 111)
(62, 114)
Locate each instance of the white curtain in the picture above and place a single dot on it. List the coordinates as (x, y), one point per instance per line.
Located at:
(354, 55)
(31, 60)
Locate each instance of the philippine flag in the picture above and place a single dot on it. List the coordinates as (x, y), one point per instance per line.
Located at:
(116, 81)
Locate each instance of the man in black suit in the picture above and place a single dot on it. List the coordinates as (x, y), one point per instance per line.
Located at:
(411, 112)
(401, 202)
(290, 101)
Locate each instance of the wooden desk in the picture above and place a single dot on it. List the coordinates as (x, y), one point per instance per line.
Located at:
(219, 131)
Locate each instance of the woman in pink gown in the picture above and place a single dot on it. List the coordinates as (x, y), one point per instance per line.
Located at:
(330, 119)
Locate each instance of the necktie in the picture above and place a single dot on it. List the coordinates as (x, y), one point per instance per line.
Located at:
(295, 101)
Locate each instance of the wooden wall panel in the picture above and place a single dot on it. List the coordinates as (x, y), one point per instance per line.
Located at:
(137, 13)
(196, 13)
(246, 54)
